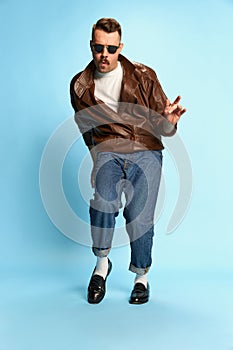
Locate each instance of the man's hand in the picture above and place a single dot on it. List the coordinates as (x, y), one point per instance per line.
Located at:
(93, 156)
(93, 177)
(173, 111)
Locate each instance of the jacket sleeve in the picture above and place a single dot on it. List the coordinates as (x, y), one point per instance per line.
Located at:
(72, 92)
(157, 103)
(87, 134)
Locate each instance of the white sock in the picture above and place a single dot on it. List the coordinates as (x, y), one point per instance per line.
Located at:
(141, 279)
(101, 267)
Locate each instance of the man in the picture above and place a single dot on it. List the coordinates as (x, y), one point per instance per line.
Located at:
(122, 113)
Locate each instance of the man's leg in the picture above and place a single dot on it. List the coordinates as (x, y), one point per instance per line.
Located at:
(144, 176)
(103, 210)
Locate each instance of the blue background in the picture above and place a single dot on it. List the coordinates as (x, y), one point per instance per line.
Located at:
(44, 274)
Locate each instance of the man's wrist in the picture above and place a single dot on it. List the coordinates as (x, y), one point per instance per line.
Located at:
(167, 126)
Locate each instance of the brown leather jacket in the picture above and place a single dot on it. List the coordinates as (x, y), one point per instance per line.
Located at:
(139, 122)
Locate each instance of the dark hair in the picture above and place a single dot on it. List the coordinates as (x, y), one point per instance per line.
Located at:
(108, 25)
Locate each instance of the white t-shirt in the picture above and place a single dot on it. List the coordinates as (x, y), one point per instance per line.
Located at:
(108, 86)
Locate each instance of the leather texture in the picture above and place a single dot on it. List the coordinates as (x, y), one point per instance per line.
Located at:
(97, 286)
(140, 294)
(139, 122)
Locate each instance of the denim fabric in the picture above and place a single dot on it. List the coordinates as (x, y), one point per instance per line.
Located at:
(138, 176)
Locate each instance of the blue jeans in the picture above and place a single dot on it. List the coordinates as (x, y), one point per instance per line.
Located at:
(138, 175)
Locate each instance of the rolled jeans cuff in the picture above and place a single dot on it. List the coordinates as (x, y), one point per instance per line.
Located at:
(139, 270)
(101, 253)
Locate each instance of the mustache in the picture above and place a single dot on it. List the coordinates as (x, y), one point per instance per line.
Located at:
(104, 60)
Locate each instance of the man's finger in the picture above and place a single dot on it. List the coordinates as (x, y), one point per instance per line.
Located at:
(183, 111)
(176, 100)
(173, 109)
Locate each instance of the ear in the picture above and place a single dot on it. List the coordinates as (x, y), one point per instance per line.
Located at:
(121, 47)
(92, 51)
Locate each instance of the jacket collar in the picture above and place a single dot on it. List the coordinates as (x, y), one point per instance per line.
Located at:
(86, 80)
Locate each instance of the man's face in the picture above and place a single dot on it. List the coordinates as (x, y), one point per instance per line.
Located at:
(104, 61)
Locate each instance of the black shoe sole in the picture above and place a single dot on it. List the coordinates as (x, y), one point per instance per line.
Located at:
(134, 302)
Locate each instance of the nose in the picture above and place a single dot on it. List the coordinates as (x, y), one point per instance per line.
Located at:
(105, 51)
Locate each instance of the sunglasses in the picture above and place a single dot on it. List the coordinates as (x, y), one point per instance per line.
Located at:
(100, 48)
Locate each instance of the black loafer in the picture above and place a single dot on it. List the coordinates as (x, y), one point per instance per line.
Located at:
(97, 286)
(140, 294)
